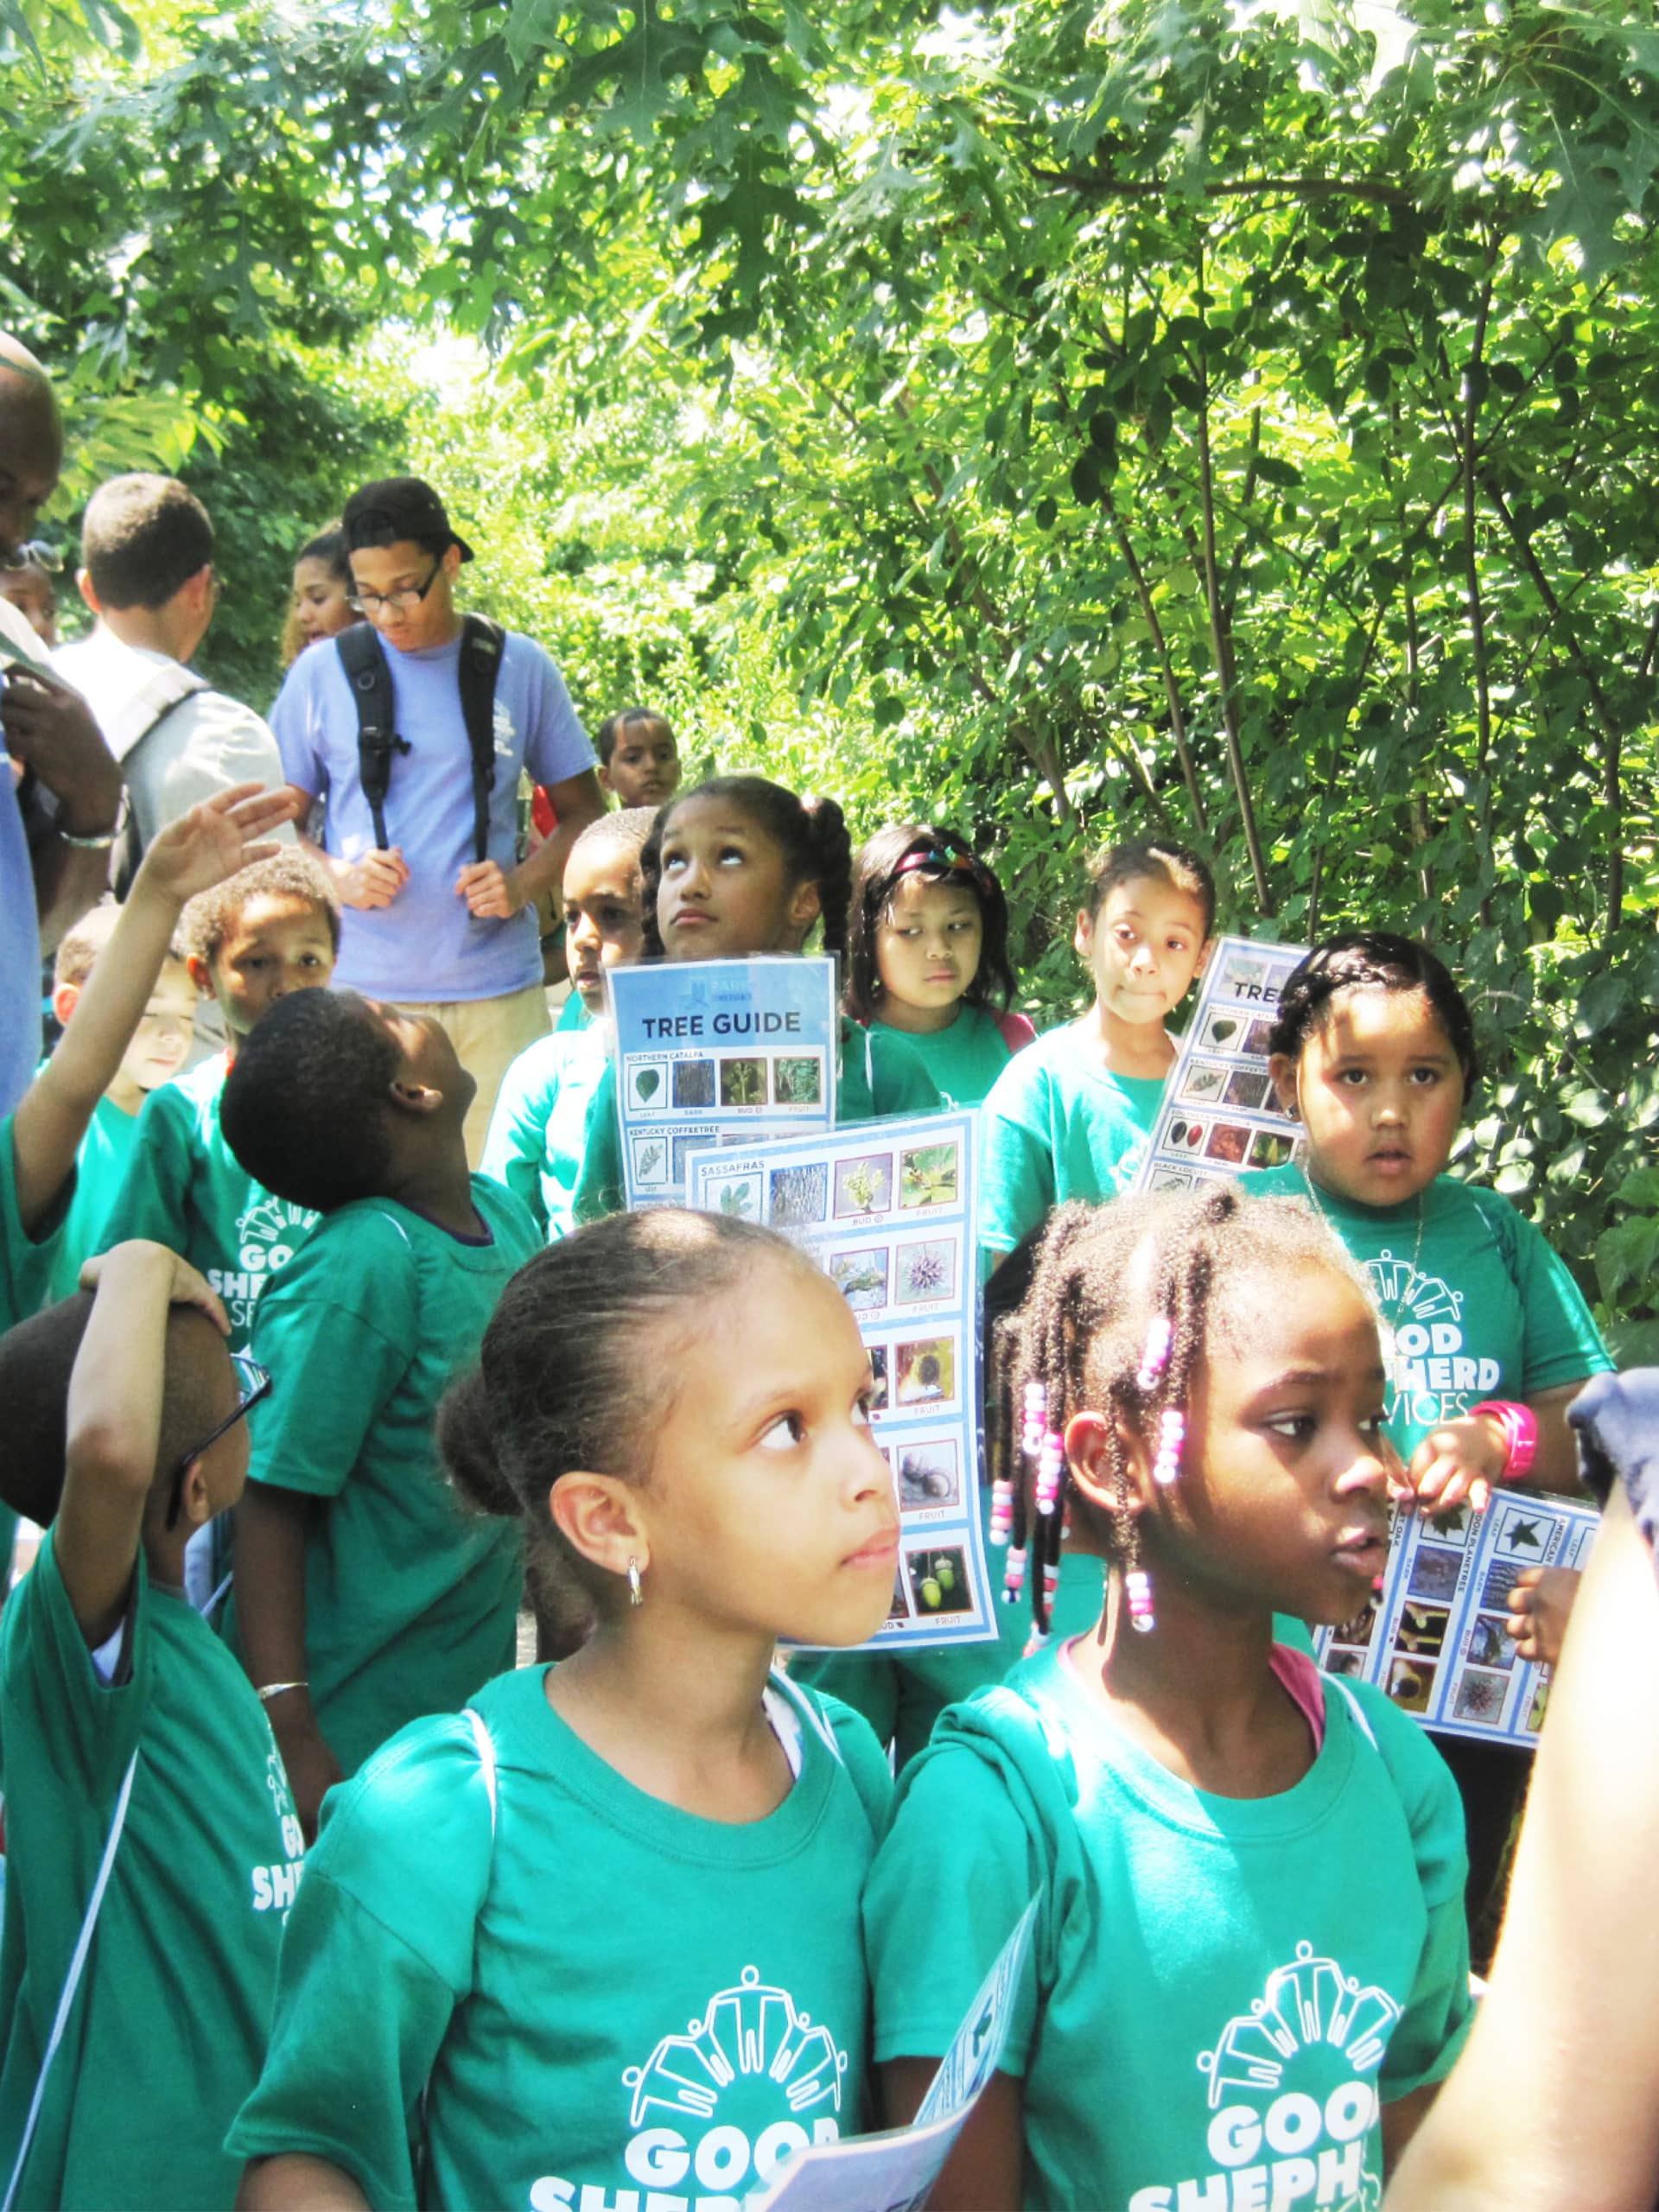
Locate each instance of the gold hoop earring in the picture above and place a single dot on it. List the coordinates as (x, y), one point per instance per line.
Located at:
(636, 1590)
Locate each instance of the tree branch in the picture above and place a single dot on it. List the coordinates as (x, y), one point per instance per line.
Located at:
(1298, 188)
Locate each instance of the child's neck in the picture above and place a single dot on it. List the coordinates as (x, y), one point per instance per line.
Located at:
(919, 1021)
(438, 1184)
(1137, 1049)
(1197, 1694)
(125, 1096)
(676, 1709)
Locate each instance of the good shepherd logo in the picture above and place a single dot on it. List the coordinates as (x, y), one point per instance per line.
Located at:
(716, 2112)
(1431, 1378)
(1292, 2090)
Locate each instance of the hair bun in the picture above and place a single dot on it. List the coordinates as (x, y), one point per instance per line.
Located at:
(466, 1443)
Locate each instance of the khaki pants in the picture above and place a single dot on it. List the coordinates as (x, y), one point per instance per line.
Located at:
(488, 1035)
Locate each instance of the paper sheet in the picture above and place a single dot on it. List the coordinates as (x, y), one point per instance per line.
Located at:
(894, 2172)
(888, 1209)
(717, 1052)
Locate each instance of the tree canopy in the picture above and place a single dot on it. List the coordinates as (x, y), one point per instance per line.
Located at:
(1070, 421)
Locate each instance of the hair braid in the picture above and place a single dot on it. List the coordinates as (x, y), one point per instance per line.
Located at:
(1102, 1276)
(832, 851)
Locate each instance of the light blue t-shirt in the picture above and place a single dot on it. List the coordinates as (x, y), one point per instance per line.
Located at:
(426, 945)
(19, 950)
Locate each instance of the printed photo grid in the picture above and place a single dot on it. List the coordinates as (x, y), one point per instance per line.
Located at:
(1434, 1638)
(888, 1209)
(1220, 1117)
(713, 1053)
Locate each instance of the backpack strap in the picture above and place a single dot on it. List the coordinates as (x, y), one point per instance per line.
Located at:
(481, 641)
(129, 727)
(72, 1979)
(367, 671)
(365, 664)
(485, 1743)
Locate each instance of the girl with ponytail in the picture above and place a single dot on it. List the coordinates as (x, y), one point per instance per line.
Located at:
(735, 866)
(594, 1939)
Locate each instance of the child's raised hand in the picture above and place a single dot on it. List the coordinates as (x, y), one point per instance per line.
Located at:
(185, 1286)
(1541, 1605)
(214, 839)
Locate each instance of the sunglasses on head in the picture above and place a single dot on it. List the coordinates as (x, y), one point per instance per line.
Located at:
(943, 860)
(252, 1384)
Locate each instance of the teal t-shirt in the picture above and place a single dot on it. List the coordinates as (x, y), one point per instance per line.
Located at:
(101, 1167)
(878, 1078)
(168, 2029)
(963, 1060)
(539, 1124)
(410, 1602)
(1056, 1126)
(186, 1188)
(1218, 1987)
(573, 1015)
(606, 2000)
(1478, 1306)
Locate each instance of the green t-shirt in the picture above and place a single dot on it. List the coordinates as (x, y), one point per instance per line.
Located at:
(1481, 1309)
(1056, 1126)
(609, 2000)
(539, 1124)
(879, 1079)
(101, 1167)
(1218, 1987)
(186, 1188)
(963, 1060)
(167, 2030)
(573, 1015)
(411, 1602)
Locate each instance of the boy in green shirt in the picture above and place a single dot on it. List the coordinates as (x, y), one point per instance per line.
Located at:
(152, 1848)
(159, 1048)
(364, 1596)
(539, 1123)
(271, 930)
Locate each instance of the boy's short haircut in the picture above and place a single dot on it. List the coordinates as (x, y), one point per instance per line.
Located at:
(35, 1360)
(623, 832)
(142, 538)
(80, 949)
(304, 1106)
(1163, 859)
(212, 915)
(644, 722)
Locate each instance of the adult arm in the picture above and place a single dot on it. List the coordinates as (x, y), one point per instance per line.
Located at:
(113, 1424)
(50, 729)
(1555, 2100)
(493, 892)
(374, 880)
(210, 843)
(273, 1528)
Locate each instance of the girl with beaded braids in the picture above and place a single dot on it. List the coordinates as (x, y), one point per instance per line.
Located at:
(738, 866)
(1250, 1968)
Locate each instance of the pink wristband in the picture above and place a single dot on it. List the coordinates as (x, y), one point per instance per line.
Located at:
(1520, 1426)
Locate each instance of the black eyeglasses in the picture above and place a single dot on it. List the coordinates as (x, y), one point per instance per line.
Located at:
(252, 1382)
(371, 603)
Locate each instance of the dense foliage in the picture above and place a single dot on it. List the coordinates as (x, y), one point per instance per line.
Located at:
(1224, 419)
